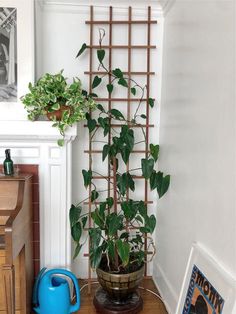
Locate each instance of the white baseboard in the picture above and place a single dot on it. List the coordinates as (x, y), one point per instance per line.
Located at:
(165, 288)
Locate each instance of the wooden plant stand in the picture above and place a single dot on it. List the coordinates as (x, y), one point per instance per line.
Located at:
(105, 305)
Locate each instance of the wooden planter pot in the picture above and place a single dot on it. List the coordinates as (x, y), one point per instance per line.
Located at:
(57, 113)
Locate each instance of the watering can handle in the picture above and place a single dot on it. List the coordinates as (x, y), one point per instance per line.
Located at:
(75, 307)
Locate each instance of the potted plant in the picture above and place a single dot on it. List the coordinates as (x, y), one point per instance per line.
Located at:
(117, 236)
(63, 103)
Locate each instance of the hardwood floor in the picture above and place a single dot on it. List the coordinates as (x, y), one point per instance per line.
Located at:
(152, 305)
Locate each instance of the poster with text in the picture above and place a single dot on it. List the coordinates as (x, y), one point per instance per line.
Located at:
(202, 297)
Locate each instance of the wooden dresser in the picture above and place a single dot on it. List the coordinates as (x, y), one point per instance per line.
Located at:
(16, 265)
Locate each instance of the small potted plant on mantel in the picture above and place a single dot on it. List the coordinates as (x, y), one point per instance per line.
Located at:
(63, 103)
(117, 235)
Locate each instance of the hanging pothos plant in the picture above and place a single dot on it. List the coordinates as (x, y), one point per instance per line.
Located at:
(65, 104)
(117, 237)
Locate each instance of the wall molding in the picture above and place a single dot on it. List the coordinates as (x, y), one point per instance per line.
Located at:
(159, 8)
(102, 3)
(167, 292)
(167, 5)
(81, 7)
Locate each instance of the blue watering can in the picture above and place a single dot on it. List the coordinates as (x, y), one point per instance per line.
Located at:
(51, 293)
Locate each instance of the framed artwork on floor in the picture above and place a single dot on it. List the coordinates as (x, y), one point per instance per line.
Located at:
(207, 288)
(16, 49)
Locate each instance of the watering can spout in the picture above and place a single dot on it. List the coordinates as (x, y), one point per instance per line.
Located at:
(53, 293)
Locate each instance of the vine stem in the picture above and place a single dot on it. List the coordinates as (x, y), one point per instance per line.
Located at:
(101, 191)
(101, 176)
(111, 74)
(140, 101)
(139, 142)
(135, 169)
(92, 136)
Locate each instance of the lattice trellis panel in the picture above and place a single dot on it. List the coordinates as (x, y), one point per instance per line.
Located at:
(128, 102)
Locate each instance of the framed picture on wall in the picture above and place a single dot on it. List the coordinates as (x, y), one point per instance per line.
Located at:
(207, 288)
(16, 49)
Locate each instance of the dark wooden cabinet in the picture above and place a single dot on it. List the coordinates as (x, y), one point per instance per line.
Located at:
(16, 264)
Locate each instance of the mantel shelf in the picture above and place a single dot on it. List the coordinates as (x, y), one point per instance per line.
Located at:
(37, 130)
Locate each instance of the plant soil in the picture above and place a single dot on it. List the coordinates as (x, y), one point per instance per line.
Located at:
(130, 268)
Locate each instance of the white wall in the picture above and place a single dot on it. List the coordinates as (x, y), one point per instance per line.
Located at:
(63, 31)
(197, 138)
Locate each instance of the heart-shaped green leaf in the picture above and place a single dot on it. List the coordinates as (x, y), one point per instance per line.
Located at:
(125, 153)
(147, 167)
(76, 231)
(97, 218)
(91, 124)
(129, 209)
(110, 88)
(151, 102)
(165, 185)
(61, 142)
(123, 82)
(123, 249)
(74, 214)
(104, 123)
(154, 151)
(87, 177)
(131, 183)
(95, 256)
(154, 180)
(110, 202)
(118, 73)
(105, 151)
(95, 235)
(100, 55)
(124, 182)
(100, 107)
(94, 195)
(142, 208)
(127, 136)
(82, 49)
(114, 223)
(96, 81)
(150, 223)
(133, 90)
(84, 220)
(117, 114)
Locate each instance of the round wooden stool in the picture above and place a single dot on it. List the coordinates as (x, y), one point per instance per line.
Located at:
(104, 305)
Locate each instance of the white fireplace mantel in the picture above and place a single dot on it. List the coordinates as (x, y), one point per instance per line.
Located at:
(36, 143)
(37, 130)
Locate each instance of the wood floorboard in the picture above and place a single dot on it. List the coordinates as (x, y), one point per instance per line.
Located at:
(152, 305)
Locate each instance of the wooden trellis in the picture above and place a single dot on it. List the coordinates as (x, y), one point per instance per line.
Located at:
(126, 101)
